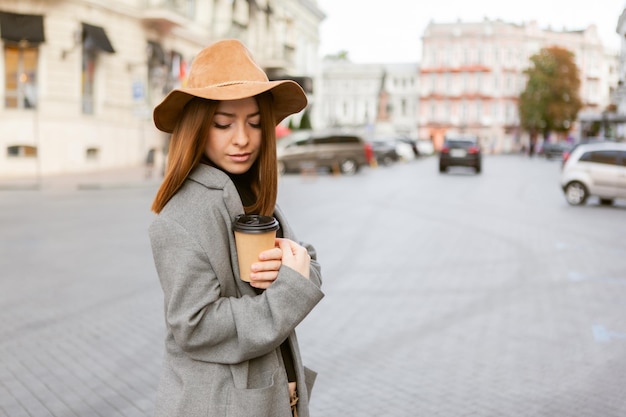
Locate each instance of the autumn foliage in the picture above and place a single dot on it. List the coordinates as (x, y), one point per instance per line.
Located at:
(551, 100)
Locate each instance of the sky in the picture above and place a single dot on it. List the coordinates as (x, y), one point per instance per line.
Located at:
(390, 31)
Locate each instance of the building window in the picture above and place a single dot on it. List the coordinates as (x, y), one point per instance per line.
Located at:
(464, 115)
(20, 82)
(89, 66)
(91, 154)
(188, 8)
(21, 34)
(157, 71)
(95, 40)
(21, 151)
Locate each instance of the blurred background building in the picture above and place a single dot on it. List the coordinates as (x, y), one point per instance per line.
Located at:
(81, 76)
(380, 99)
(472, 74)
(619, 97)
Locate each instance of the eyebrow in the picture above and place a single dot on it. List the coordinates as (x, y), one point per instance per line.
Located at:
(223, 113)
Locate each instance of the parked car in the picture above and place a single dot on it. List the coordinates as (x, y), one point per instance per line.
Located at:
(595, 169)
(555, 150)
(425, 147)
(404, 144)
(460, 151)
(385, 151)
(583, 141)
(334, 151)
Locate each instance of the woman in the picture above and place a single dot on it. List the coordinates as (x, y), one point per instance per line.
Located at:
(230, 348)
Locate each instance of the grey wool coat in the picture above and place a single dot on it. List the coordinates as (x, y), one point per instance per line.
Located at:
(222, 344)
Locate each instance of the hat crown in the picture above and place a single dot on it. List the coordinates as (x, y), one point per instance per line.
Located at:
(224, 63)
(225, 70)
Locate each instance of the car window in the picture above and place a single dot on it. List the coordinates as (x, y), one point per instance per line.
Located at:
(460, 143)
(601, 157)
(325, 140)
(300, 143)
(335, 140)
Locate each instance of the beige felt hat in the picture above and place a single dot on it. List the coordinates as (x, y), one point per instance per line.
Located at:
(225, 70)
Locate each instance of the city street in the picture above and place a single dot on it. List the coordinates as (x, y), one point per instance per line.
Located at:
(446, 295)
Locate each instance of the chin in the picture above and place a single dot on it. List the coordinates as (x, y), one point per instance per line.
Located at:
(238, 169)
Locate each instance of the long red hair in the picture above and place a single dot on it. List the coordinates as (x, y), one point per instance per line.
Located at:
(188, 142)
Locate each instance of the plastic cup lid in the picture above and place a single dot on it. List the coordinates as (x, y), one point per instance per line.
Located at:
(254, 223)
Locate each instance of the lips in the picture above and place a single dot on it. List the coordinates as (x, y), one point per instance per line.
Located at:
(240, 157)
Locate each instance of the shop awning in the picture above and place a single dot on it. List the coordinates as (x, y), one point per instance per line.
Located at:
(96, 37)
(21, 27)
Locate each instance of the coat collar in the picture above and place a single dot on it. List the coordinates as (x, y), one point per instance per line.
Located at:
(209, 176)
(215, 179)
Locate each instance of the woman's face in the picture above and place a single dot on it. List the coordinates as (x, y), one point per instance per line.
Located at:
(235, 135)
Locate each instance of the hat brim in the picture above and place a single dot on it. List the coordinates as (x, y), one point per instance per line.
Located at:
(289, 98)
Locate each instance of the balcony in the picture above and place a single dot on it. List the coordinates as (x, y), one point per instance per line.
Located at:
(163, 15)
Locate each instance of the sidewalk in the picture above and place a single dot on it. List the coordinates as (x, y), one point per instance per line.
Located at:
(127, 177)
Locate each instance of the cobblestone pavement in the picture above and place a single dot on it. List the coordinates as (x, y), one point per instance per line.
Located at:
(446, 295)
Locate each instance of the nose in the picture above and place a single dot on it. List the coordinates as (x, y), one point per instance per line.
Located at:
(240, 137)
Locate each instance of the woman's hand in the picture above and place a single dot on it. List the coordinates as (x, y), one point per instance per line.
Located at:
(265, 271)
(287, 252)
(295, 256)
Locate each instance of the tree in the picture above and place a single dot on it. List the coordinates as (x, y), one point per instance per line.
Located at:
(551, 100)
(342, 55)
(305, 121)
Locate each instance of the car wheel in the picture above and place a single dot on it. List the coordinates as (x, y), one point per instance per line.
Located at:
(349, 167)
(606, 201)
(442, 168)
(478, 169)
(576, 193)
(387, 160)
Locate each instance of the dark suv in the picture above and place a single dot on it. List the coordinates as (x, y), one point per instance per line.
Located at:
(335, 151)
(460, 151)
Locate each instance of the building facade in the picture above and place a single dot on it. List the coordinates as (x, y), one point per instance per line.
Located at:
(81, 77)
(620, 92)
(472, 74)
(380, 99)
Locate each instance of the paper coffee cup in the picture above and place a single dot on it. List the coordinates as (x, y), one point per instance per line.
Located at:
(253, 235)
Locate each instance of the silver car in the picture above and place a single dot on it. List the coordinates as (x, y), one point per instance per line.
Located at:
(595, 169)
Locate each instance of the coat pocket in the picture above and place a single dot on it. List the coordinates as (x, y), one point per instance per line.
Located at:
(270, 401)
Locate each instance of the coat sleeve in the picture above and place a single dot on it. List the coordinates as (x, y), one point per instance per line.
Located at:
(212, 328)
(315, 274)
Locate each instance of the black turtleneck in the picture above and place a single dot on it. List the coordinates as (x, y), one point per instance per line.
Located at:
(243, 184)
